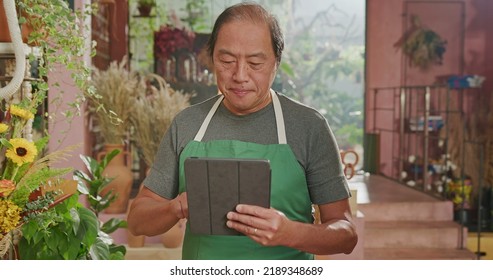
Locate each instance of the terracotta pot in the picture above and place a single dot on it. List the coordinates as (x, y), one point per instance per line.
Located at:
(26, 29)
(119, 169)
(144, 11)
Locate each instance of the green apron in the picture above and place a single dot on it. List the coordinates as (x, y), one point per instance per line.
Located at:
(289, 193)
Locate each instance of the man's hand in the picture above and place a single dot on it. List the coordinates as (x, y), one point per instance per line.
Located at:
(268, 227)
(180, 206)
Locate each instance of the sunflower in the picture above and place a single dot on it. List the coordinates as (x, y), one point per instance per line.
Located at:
(22, 113)
(3, 127)
(22, 151)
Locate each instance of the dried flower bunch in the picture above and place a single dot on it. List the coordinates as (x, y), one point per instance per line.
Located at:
(423, 46)
(116, 90)
(153, 113)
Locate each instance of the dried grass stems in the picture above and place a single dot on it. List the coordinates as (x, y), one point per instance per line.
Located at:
(153, 113)
(117, 88)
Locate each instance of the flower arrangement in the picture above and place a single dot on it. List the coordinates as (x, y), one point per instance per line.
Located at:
(460, 192)
(152, 115)
(40, 213)
(169, 39)
(22, 173)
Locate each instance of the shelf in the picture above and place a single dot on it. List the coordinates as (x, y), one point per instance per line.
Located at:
(436, 148)
(139, 16)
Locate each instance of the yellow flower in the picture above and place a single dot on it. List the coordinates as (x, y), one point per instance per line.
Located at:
(3, 127)
(6, 187)
(10, 215)
(22, 151)
(23, 113)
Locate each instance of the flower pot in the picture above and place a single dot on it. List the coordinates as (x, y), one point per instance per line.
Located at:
(26, 29)
(121, 185)
(144, 10)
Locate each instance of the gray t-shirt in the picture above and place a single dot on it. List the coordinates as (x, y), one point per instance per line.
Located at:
(307, 132)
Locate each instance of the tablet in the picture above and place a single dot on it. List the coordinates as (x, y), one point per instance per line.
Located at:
(216, 185)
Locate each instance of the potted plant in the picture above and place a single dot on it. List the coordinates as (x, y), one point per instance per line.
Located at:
(60, 33)
(117, 89)
(80, 235)
(25, 167)
(152, 115)
(145, 7)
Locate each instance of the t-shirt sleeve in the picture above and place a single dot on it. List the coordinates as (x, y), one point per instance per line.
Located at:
(163, 174)
(325, 178)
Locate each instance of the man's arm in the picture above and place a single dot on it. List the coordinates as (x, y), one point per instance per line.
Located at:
(151, 214)
(335, 234)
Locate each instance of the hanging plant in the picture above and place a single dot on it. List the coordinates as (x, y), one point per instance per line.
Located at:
(169, 39)
(423, 46)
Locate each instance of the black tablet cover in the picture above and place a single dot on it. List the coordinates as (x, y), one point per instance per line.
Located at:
(216, 185)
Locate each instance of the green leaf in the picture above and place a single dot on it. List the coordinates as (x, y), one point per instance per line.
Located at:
(106, 238)
(91, 164)
(51, 240)
(108, 157)
(99, 250)
(113, 224)
(6, 143)
(74, 214)
(80, 176)
(29, 230)
(89, 226)
(117, 252)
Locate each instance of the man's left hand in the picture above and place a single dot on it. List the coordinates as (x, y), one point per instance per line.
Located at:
(268, 227)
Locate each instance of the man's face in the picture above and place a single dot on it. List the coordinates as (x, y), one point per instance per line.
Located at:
(245, 66)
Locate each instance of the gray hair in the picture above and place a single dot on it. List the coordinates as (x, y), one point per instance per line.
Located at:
(255, 13)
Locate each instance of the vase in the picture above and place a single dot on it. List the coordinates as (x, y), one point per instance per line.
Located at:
(121, 185)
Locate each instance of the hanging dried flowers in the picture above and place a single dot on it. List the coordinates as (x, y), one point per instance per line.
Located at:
(423, 46)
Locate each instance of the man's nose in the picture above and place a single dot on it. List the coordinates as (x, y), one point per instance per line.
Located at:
(241, 72)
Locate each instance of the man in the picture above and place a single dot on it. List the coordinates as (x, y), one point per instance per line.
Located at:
(251, 120)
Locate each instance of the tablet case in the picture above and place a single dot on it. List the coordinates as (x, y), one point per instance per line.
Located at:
(216, 185)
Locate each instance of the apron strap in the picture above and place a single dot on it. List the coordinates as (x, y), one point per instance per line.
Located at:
(281, 130)
(200, 134)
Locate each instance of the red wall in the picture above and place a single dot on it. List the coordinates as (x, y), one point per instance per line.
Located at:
(465, 24)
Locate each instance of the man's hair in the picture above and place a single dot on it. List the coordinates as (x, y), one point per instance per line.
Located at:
(254, 13)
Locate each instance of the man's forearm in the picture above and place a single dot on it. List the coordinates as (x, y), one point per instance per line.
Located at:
(150, 217)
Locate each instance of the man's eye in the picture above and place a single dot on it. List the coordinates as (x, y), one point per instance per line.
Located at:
(255, 65)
